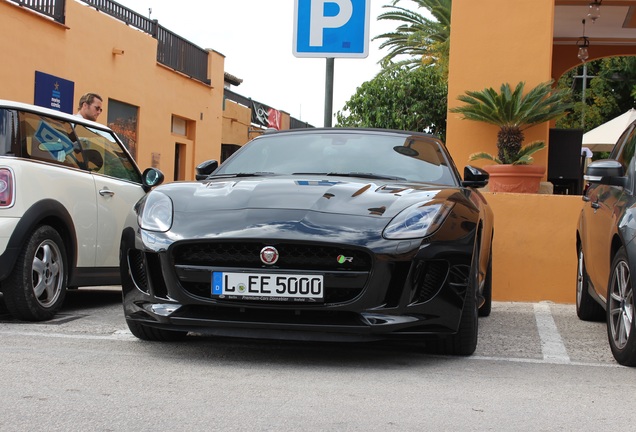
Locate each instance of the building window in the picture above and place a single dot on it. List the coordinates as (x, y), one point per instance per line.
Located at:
(179, 126)
(122, 118)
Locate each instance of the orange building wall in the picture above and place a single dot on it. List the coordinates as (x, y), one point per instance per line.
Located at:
(494, 42)
(82, 51)
(534, 249)
(236, 123)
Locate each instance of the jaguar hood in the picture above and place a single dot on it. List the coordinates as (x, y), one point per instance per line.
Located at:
(337, 195)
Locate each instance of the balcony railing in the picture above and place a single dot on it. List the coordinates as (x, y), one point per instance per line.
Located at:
(50, 8)
(122, 13)
(172, 50)
(181, 55)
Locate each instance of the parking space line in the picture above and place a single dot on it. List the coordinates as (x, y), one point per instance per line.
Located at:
(552, 345)
(116, 336)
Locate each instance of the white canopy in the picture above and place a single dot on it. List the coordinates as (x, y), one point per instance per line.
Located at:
(604, 137)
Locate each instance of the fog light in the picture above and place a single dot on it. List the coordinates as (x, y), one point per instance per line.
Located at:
(164, 309)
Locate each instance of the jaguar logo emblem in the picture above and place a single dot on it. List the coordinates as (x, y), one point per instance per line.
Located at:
(269, 255)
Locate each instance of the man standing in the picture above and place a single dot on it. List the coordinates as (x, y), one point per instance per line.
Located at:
(90, 106)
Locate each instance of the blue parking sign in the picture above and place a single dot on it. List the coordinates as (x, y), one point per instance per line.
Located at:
(331, 28)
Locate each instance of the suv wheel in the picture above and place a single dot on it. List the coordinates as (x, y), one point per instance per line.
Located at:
(587, 309)
(621, 328)
(36, 288)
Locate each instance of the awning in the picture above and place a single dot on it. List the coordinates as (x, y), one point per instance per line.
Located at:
(603, 138)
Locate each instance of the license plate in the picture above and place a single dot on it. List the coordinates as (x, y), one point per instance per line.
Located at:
(267, 287)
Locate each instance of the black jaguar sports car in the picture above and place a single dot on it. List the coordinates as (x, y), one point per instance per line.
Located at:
(315, 234)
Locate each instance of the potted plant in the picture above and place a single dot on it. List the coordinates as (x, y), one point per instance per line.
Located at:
(513, 112)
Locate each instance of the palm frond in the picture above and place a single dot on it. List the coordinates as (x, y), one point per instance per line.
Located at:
(417, 35)
(483, 155)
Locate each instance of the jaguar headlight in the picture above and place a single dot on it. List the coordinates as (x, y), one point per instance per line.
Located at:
(156, 212)
(417, 221)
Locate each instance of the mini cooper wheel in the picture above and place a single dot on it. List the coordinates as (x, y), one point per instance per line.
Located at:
(587, 309)
(36, 288)
(148, 333)
(621, 330)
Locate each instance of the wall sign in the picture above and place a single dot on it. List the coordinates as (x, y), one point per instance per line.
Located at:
(54, 92)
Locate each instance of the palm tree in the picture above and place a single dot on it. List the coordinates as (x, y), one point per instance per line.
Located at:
(424, 40)
(513, 112)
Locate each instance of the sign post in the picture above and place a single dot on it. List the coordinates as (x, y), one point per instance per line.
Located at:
(331, 29)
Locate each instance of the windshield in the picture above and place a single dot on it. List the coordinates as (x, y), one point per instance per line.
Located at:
(359, 154)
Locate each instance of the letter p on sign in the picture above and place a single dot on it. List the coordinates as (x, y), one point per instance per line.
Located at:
(331, 28)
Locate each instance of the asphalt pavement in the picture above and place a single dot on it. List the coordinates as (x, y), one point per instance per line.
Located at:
(537, 368)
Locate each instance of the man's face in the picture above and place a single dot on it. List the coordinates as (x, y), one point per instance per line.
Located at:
(92, 111)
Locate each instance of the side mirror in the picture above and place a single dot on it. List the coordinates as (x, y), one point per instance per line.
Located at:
(475, 177)
(206, 168)
(151, 177)
(606, 171)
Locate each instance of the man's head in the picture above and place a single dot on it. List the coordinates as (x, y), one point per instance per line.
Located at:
(90, 106)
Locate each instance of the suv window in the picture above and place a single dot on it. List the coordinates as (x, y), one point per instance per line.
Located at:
(626, 155)
(104, 155)
(626, 152)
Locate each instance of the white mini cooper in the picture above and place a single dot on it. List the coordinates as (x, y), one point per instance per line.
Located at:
(67, 186)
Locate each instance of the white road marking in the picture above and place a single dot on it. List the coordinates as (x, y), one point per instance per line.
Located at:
(542, 361)
(552, 345)
(118, 335)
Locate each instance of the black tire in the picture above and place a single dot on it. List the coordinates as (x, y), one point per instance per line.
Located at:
(3, 308)
(587, 309)
(486, 293)
(621, 329)
(148, 333)
(36, 288)
(464, 342)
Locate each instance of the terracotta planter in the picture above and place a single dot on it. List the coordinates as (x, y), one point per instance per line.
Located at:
(515, 178)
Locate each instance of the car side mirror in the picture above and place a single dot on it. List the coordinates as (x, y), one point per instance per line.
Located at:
(606, 171)
(204, 169)
(475, 177)
(152, 177)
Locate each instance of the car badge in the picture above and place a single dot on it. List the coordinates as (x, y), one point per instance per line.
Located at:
(269, 255)
(343, 259)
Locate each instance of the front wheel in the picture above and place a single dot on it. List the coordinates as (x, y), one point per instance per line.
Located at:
(486, 293)
(587, 309)
(621, 329)
(36, 288)
(464, 342)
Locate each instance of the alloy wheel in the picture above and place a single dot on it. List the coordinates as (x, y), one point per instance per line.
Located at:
(579, 278)
(621, 305)
(47, 273)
